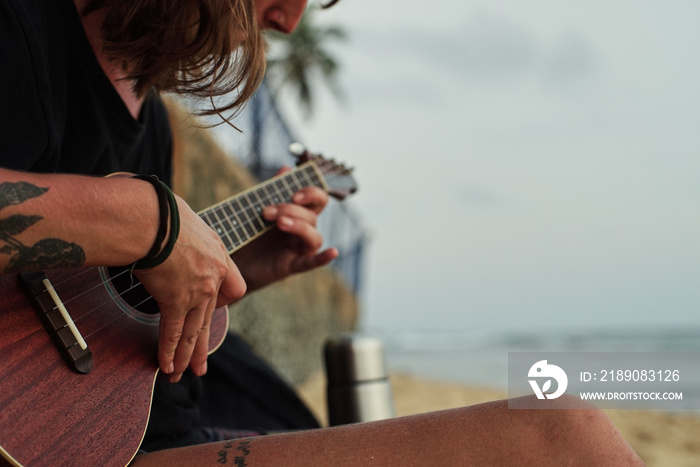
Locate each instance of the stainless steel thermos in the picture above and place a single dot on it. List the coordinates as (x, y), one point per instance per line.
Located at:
(358, 388)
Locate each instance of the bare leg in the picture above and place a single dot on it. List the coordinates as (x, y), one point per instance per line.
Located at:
(484, 434)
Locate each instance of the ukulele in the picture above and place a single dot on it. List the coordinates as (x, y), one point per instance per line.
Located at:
(78, 354)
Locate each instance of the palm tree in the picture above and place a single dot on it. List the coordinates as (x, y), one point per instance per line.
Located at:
(297, 60)
(295, 63)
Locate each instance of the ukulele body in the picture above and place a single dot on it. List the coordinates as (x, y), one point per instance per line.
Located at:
(52, 415)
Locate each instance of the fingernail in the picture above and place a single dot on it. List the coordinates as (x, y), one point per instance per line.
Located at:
(298, 197)
(171, 368)
(286, 221)
(270, 212)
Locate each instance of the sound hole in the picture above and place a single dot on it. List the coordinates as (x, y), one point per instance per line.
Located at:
(134, 295)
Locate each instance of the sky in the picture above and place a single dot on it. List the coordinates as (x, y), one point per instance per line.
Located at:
(522, 165)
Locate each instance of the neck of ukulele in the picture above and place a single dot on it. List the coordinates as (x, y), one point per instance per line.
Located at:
(238, 220)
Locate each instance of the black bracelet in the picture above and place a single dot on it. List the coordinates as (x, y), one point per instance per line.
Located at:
(163, 212)
(174, 232)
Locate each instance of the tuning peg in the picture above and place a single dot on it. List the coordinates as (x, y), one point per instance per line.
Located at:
(297, 149)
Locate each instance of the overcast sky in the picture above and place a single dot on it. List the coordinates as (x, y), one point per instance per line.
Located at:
(522, 164)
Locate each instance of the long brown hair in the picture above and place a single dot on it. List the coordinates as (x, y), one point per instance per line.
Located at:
(204, 48)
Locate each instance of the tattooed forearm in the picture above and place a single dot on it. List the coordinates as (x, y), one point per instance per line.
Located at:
(46, 253)
(237, 457)
(19, 192)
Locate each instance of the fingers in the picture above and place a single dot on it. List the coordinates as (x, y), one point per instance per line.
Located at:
(187, 301)
(185, 342)
(307, 263)
(312, 198)
(171, 332)
(303, 263)
(194, 345)
(306, 239)
(233, 287)
(197, 277)
(307, 205)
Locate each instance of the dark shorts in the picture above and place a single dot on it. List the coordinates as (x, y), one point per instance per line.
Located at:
(204, 435)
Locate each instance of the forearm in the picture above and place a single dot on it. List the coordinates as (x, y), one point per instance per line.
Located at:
(49, 221)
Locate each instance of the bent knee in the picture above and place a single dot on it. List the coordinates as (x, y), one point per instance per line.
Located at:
(584, 435)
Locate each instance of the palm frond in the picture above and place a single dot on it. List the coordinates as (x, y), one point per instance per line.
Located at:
(300, 59)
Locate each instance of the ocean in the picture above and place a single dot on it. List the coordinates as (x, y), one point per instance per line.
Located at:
(481, 359)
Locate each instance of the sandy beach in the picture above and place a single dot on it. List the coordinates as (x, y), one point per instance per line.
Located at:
(660, 438)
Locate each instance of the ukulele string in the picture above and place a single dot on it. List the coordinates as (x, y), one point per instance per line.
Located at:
(133, 285)
(244, 219)
(74, 276)
(270, 198)
(265, 200)
(113, 299)
(118, 316)
(96, 286)
(127, 271)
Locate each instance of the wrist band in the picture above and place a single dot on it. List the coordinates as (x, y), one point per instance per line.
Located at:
(174, 231)
(163, 213)
(168, 211)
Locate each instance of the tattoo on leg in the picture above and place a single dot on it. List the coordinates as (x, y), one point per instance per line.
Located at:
(239, 457)
(46, 253)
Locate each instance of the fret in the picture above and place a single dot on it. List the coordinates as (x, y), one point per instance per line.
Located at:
(251, 210)
(260, 205)
(278, 194)
(294, 179)
(234, 222)
(315, 178)
(275, 195)
(269, 195)
(299, 179)
(212, 221)
(255, 224)
(307, 175)
(239, 219)
(242, 229)
(304, 173)
(282, 189)
(206, 217)
(221, 228)
(285, 187)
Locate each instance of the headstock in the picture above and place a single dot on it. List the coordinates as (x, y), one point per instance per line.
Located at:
(338, 177)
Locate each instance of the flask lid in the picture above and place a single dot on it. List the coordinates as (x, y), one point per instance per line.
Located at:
(354, 357)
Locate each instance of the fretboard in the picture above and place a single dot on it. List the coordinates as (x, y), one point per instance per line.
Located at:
(238, 220)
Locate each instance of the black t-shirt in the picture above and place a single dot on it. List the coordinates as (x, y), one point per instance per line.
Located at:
(58, 110)
(60, 113)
